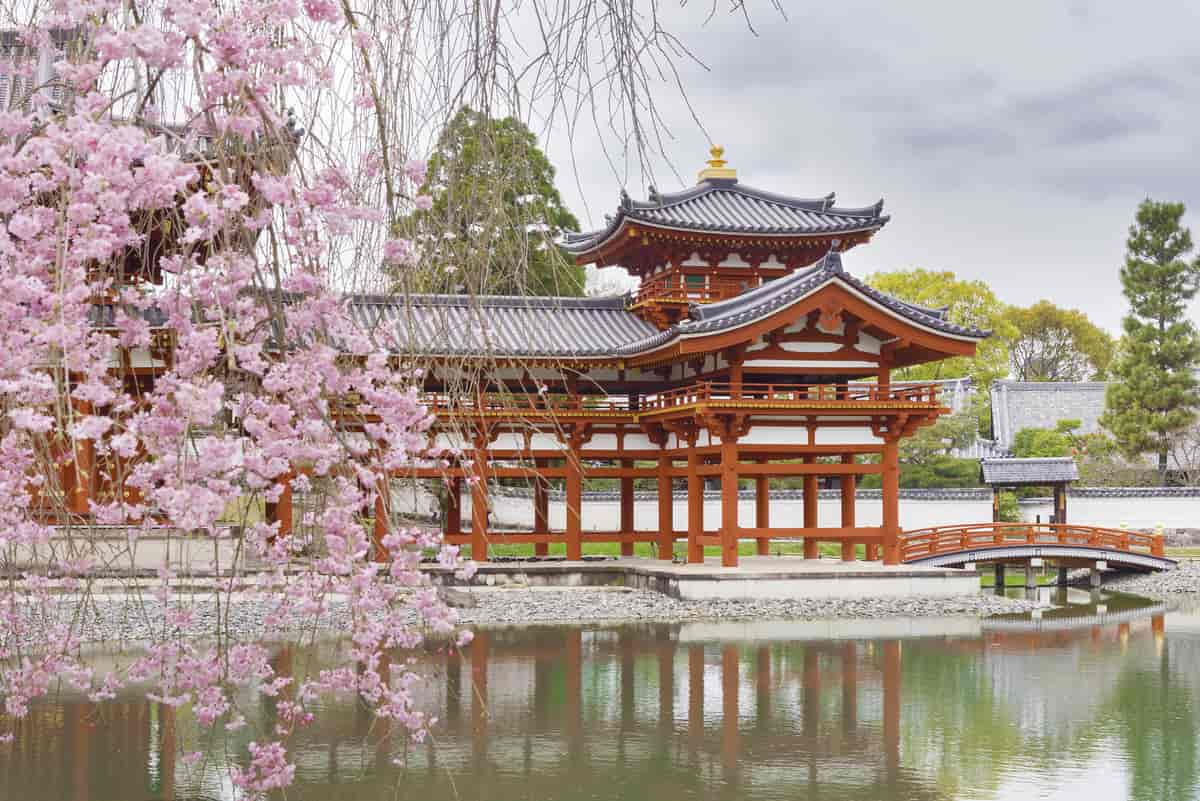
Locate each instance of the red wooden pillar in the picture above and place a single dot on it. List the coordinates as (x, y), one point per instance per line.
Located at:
(283, 507)
(849, 486)
(541, 509)
(84, 484)
(729, 501)
(810, 509)
(695, 505)
(574, 502)
(891, 501)
(627, 526)
(666, 508)
(382, 507)
(762, 511)
(479, 503)
(453, 521)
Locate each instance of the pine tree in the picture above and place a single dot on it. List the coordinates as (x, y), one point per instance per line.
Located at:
(1154, 396)
(496, 214)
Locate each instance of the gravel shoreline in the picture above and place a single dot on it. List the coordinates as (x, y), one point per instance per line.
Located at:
(122, 620)
(1182, 581)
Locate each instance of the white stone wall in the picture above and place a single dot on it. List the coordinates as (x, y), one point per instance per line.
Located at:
(605, 515)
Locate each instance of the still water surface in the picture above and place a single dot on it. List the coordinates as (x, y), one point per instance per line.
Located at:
(1071, 706)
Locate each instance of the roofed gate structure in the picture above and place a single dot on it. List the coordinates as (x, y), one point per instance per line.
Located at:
(747, 353)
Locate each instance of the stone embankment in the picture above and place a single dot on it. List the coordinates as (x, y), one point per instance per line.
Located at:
(115, 620)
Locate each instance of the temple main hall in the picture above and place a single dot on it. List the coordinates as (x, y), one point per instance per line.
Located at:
(748, 353)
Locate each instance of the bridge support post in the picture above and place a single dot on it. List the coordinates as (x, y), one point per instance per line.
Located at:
(1030, 577)
(1062, 576)
(998, 571)
(1094, 577)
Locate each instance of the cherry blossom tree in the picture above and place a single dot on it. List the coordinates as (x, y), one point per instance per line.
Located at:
(188, 188)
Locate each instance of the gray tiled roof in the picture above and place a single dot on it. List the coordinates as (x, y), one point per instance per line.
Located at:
(1029, 471)
(495, 325)
(781, 292)
(725, 206)
(592, 327)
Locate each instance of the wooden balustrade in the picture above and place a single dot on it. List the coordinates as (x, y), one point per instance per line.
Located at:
(709, 392)
(674, 287)
(939, 540)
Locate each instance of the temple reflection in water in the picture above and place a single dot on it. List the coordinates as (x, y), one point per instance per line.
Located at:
(737, 711)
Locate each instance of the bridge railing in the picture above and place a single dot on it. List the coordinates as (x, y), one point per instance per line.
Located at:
(926, 542)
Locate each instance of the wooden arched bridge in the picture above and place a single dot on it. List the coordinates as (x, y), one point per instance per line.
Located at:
(1065, 544)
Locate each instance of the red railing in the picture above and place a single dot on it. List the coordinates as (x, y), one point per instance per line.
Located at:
(716, 391)
(539, 404)
(704, 392)
(939, 540)
(674, 287)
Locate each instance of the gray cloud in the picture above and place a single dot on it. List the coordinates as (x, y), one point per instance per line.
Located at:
(994, 131)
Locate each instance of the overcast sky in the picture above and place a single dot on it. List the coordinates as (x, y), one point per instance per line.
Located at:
(1011, 141)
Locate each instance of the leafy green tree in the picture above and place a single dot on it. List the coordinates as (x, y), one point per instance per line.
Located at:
(969, 303)
(495, 217)
(1056, 344)
(1153, 397)
(1031, 443)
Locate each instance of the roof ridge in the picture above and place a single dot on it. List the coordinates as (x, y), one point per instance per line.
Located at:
(510, 301)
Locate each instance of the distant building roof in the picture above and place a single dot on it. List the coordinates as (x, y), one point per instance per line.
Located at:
(1042, 404)
(725, 206)
(1012, 472)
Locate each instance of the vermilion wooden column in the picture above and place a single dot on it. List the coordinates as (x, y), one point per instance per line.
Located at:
(729, 501)
(283, 508)
(695, 506)
(453, 521)
(666, 508)
(479, 504)
(627, 508)
(84, 484)
(849, 485)
(891, 501)
(810, 509)
(762, 511)
(380, 529)
(541, 510)
(574, 503)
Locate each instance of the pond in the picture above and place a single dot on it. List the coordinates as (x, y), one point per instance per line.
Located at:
(1095, 699)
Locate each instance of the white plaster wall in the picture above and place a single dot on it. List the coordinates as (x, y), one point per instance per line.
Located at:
(789, 513)
(1112, 512)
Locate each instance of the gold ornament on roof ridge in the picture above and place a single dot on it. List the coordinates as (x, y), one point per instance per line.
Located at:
(716, 168)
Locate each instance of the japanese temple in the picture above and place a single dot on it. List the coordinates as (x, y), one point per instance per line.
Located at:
(747, 352)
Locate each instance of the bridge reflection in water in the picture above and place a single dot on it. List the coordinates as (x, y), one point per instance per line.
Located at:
(698, 711)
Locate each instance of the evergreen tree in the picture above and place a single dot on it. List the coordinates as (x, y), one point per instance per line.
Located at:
(495, 217)
(1153, 397)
